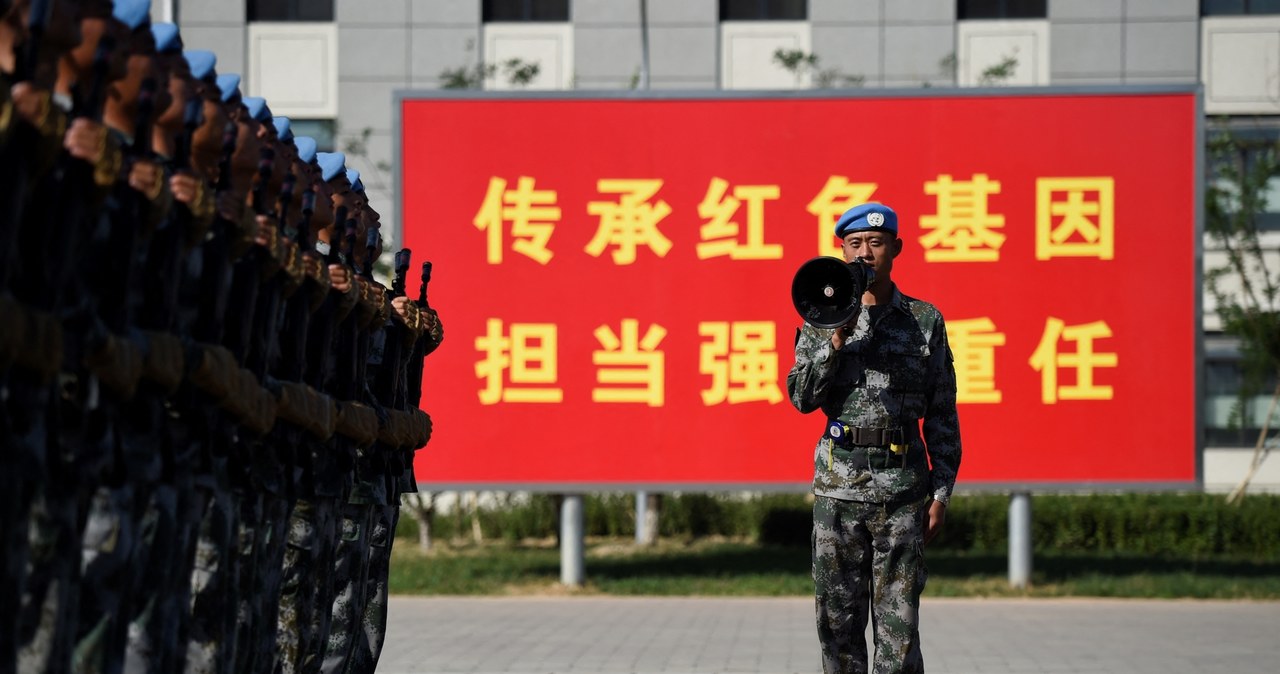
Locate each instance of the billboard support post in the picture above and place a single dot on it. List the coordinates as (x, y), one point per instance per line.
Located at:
(571, 541)
(1020, 539)
(641, 514)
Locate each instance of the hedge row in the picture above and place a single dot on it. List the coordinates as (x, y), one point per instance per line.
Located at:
(1182, 525)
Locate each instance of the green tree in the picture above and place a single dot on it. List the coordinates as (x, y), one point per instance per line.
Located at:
(798, 62)
(1245, 289)
(516, 71)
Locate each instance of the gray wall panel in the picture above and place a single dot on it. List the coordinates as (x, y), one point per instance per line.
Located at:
(359, 12)
(364, 105)
(210, 11)
(682, 12)
(227, 42)
(1159, 48)
(1085, 9)
(606, 52)
(860, 11)
(919, 10)
(432, 50)
(380, 53)
(610, 12)
(686, 53)
(1162, 9)
(445, 11)
(915, 52)
(852, 50)
(1089, 49)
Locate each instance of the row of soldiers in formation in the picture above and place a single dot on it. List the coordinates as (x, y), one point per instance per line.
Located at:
(208, 406)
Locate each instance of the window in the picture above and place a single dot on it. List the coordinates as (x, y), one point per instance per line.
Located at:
(1228, 423)
(1002, 9)
(1229, 7)
(764, 10)
(322, 131)
(1253, 144)
(525, 10)
(289, 10)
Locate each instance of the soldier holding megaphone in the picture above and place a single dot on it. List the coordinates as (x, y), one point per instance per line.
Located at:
(877, 363)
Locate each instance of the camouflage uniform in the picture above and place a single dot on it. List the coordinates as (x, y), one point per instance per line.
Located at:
(894, 370)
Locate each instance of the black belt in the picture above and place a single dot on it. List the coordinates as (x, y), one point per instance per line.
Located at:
(857, 436)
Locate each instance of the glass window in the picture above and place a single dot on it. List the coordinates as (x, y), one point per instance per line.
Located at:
(1229, 7)
(525, 10)
(1002, 9)
(1229, 422)
(322, 131)
(764, 10)
(289, 10)
(1251, 145)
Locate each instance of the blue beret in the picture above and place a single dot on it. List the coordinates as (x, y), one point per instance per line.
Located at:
(167, 39)
(872, 216)
(258, 109)
(282, 128)
(331, 164)
(132, 13)
(353, 176)
(201, 62)
(306, 148)
(229, 83)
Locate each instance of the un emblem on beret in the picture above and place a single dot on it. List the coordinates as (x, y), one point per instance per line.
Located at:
(875, 219)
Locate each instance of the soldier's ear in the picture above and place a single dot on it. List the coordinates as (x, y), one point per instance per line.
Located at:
(895, 246)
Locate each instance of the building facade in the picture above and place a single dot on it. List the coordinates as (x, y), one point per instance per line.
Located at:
(333, 65)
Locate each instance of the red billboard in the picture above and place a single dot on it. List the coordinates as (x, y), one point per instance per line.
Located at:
(614, 277)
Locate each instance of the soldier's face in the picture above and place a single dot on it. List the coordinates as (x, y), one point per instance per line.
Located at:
(877, 249)
(181, 89)
(206, 142)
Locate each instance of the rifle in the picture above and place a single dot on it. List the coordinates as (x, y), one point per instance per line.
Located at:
(402, 270)
(370, 248)
(41, 12)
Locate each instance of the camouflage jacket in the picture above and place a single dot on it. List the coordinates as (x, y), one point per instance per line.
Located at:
(891, 372)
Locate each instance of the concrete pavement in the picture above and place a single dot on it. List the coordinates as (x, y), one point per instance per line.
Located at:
(609, 635)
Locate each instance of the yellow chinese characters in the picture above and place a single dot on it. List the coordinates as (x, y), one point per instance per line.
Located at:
(1046, 360)
(630, 369)
(630, 222)
(533, 215)
(973, 343)
(962, 229)
(1075, 217)
(742, 361)
(720, 233)
(836, 197)
(526, 360)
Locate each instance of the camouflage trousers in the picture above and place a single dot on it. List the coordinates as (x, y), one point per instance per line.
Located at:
(267, 579)
(367, 647)
(868, 559)
(306, 594)
(350, 569)
(51, 591)
(214, 583)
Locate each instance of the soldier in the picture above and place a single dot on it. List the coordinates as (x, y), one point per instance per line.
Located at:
(877, 501)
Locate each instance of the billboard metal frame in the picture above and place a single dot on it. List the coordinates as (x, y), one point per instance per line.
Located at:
(400, 96)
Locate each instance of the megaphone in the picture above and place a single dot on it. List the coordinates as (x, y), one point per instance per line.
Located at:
(827, 291)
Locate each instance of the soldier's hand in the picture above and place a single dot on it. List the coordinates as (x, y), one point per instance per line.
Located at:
(230, 204)
(839, 336)
(401, 305)
(339, 277)
(30, 103)
(185, 187)
(933, 525)
(268, 232)
(146, 177)
(86, 139)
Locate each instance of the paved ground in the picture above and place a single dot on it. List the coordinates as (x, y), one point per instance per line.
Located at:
(776, 636)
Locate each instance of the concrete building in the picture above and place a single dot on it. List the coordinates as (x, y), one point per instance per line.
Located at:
(332, 65)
